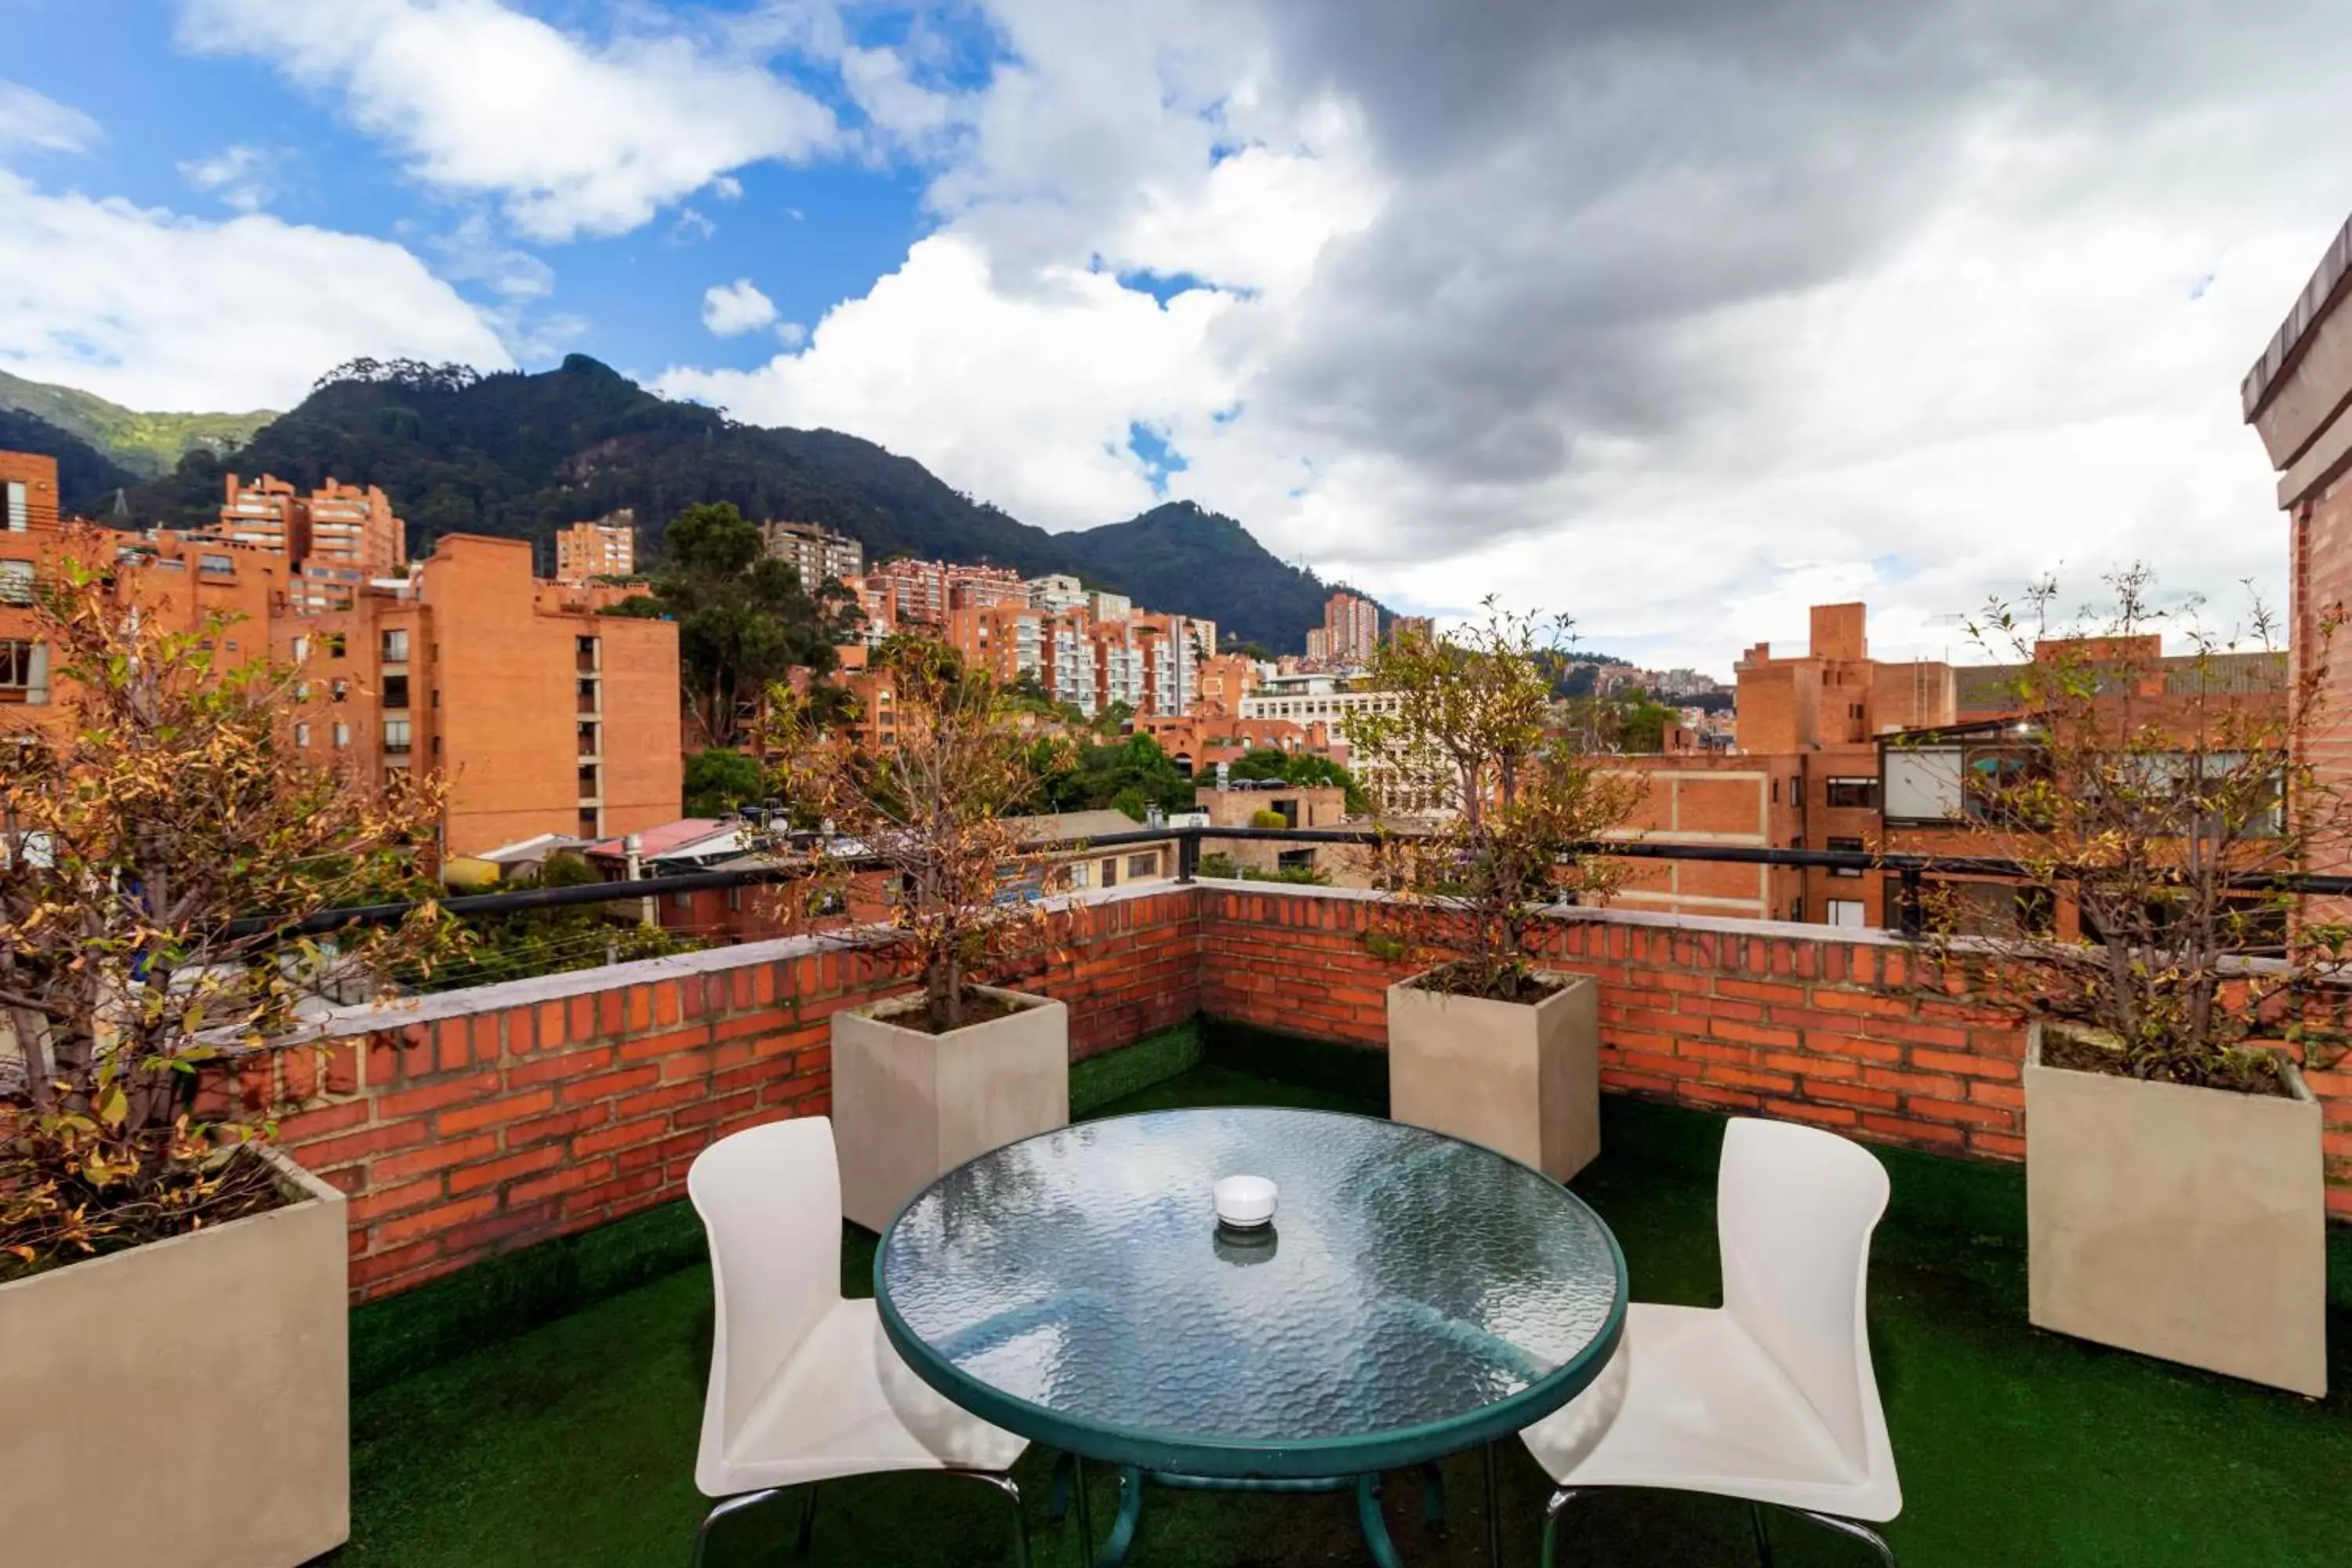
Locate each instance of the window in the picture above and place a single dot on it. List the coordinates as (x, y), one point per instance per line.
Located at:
(302, 736)
(334, 645)
(395, 646)
(15, 581)
(1796, 908)
(1143, 866)
(1923, 784)
(1850, 846)
(24, 671)
(587, 825)
(1295, 860)
(1853, 794)
(1845, 911)
(588, 790)
(396, 691)
(338, 690)
(343, 736)
(1111, 872)
(735, 898)
(395, 737)
(588, 740)
(1078, 873)
(301, 652)
(587, 697)
(681, 900)
(215, 563)
(1776, 792)
(18, 505)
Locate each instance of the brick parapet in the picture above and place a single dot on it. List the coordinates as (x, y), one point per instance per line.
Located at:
(471, 1122)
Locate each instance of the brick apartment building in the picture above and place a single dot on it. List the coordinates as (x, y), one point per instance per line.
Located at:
(542, 719)
(601, 547)
(542, 716)
(815, 554)
(924, 592)
(2298, 397)
(343, 528)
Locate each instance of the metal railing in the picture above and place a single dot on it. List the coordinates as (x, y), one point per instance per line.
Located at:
(1910, 871)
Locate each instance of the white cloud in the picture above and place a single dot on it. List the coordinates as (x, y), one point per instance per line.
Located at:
(29, 120)
(791, 335)
(237, 174)
(1021, 394)
(572, 137)
(160, 311)
(729, 308)
(1677, 329)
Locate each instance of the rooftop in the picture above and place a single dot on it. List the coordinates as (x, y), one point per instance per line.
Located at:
(565, 1433)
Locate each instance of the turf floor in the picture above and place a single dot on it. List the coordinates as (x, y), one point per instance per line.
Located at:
(573, 1444)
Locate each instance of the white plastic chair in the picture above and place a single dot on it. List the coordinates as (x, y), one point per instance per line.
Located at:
(804, 1387)
(1769, 1397)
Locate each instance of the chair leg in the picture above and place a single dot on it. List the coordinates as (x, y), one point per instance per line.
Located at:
(1852, 1528)
(1058, 1500)
(1552, 1511)
(1012, 1489)
(805, 1538)
(1763, 1540)
(726, 1507)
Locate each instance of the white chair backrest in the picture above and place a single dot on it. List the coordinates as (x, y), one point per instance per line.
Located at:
(770, 1199)
(1795, 1207)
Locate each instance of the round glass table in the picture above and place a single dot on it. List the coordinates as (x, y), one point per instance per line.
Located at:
(1416, 1296)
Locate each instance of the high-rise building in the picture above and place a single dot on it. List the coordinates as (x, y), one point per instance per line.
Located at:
(1057, 591)
(345, 529)
(540, 719)
(1352, 628)
(1318, 644)
(604, 547)
(1105, 606)
(1420, 627)
(980, 587)
(815, 552)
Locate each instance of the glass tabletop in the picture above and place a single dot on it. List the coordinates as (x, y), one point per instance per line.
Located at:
(1415, 1296)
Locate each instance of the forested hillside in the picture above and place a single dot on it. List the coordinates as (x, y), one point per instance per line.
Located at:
(522, 454)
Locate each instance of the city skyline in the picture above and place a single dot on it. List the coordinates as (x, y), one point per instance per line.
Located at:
(1881, 323)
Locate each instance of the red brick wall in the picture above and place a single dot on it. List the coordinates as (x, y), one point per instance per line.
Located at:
(508, 1114)
(493, 1118)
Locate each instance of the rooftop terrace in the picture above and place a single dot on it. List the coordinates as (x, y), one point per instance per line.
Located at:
(533, 1309)
(573, 1441)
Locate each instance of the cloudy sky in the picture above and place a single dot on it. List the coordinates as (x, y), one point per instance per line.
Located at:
(1678, 315)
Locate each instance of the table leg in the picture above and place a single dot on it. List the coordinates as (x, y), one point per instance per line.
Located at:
(1494, 1509)
(1375, 1529)
(1130, 1514)
(1085, 1513)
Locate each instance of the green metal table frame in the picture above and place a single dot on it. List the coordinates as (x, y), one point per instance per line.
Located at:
(1354, 1462)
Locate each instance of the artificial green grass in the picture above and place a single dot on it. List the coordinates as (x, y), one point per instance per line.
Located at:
(573, 1443)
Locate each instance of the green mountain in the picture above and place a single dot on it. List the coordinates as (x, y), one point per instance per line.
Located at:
(145, 444)
(86, 478)
(523, 454)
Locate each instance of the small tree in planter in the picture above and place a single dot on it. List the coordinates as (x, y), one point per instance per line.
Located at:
(918, 1090)
(1487, 1044)
(163, 807)
(2146, 800)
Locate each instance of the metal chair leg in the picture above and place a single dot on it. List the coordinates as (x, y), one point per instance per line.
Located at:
(1560, 1500)
(1853, 1528)
(1763, 1540)
(727, 1507)
(1058, 1500)
(805, 1537)
(1012, 1489)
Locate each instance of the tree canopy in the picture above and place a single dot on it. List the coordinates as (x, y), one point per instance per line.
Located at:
(744, 619)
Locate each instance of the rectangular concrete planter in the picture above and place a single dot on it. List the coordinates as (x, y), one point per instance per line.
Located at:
(2184, 1222)
(1521, 1079)
(186, 1401)
(909, 1106)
